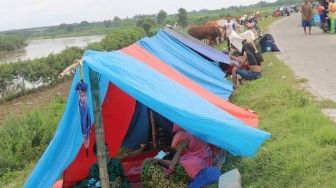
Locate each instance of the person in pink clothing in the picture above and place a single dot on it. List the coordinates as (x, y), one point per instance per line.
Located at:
(196, 154)
(191, 156)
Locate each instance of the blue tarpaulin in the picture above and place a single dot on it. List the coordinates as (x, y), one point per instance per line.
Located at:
(188, 63)
(211, 53)
(138, 130)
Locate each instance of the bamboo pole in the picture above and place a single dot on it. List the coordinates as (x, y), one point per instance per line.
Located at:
(154, 129)
(100, 138)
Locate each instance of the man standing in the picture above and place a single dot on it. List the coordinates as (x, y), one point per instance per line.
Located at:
(306, 15)
(229, 26)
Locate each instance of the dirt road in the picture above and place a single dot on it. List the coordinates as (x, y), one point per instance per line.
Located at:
(312, 57)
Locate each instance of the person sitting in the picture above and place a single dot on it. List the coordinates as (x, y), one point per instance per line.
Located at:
(190, 157)
(117, 179)
(248, 66)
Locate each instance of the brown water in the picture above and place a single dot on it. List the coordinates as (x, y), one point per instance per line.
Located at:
(43, 47)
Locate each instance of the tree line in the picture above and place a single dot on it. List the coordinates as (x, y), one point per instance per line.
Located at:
(11, 42)
(147, 22)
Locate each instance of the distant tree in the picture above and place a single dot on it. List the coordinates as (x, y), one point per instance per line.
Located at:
(63, 26)
(69, 28)
(140, 22)
(84, 23)
(107, 23)
(161, 17)
(263, 4)
(116, 19)
(66, 27)
(147, 25)
(182, 17)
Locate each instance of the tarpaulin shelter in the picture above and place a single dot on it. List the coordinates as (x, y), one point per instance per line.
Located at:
(136, 78)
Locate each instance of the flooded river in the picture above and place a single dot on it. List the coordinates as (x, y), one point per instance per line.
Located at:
(43, 47)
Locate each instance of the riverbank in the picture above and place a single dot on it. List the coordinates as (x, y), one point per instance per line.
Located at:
(10, 43)
(83, 33)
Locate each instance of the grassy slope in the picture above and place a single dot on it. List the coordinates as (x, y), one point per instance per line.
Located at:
(27, 122)
(303, 144)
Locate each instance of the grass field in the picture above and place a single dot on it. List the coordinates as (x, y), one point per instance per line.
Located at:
(303, 144)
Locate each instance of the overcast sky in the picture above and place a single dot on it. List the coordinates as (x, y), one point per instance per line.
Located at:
(16, 14)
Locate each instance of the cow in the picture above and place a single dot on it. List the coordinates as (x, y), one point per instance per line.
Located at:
(221, 30)
(207, 32)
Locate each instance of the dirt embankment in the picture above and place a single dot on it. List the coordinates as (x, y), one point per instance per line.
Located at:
(34, 100)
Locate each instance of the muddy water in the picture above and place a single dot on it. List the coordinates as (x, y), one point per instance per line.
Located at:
(43, 47)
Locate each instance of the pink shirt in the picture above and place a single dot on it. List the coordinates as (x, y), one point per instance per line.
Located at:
(197, 156)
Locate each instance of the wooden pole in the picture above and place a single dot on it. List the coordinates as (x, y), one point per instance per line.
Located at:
(154, 129)
(100, 138)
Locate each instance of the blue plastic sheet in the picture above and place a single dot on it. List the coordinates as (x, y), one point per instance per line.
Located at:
(139, 128)
(188, 63)
(198, 46)
(67, 140)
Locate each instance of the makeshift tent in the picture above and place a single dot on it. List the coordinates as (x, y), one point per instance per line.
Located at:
(128, 79)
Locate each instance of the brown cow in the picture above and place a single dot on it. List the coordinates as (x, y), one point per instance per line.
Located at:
(221, 30)
(208, 32)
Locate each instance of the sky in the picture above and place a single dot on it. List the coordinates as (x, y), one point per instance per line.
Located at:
(18, 14)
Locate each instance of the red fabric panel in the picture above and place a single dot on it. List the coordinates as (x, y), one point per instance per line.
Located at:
(244, 115)
(118, 109)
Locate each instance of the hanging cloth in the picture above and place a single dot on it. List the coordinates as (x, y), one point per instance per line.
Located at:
(85, 118)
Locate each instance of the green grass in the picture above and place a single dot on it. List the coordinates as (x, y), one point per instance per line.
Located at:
(302, 148)
(303, 144)
(24, 137)
(326, 103)
(265, 23)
